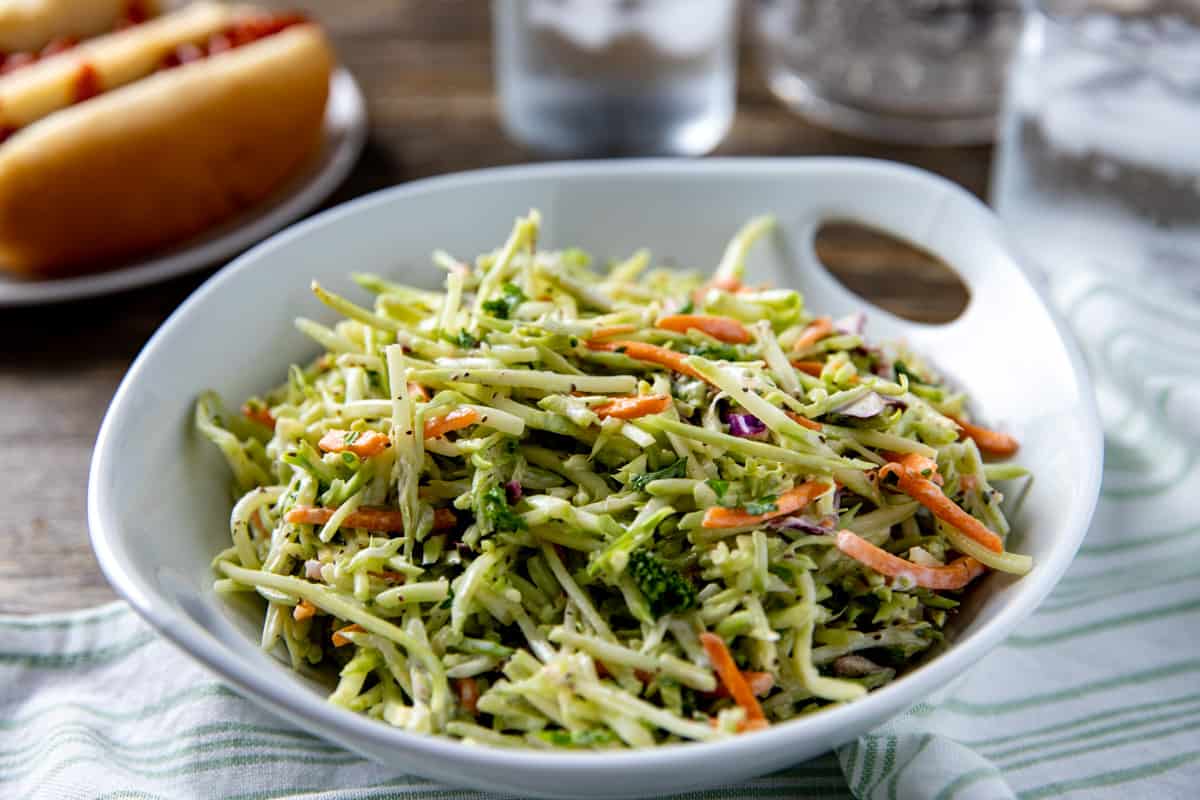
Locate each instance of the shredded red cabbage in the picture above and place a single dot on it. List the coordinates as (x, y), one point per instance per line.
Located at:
(747, 426)
(806, 523)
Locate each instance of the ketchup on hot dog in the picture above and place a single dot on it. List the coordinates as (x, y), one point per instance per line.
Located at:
(136, 13)
(87, 81)
(243, 33)
(14, 61)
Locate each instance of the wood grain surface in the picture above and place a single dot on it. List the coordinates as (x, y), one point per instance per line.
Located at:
(426, 70)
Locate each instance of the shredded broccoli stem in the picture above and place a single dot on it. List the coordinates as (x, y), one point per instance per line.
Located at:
(505, 512)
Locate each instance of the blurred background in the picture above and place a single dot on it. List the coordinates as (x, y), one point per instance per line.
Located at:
(1098, 155)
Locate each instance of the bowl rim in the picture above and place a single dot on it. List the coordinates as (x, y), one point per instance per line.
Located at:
(312, 713)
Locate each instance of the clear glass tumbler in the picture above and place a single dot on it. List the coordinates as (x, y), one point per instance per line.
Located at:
(909, 71)
(616, 77)
(1098, 166)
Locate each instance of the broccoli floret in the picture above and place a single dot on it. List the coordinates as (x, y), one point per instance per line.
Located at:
(664, 588)
(496, 510)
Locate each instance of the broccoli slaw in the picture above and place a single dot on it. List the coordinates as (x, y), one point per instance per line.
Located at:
(557, 506)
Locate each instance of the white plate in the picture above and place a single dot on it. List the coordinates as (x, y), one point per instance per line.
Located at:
(345, 134)
(158, 500)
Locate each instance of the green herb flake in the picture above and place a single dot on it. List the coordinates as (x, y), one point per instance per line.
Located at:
(510, 297)
(763, 505)
(675, 470)
(497, 511)
(463, 340)
(718, 486)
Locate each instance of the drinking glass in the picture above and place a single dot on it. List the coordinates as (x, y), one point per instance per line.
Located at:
(1098, 166)
(910, 71)
(616, 77)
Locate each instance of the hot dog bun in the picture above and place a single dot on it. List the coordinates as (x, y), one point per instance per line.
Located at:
(117, 59)
(32, 24)
(162, 158)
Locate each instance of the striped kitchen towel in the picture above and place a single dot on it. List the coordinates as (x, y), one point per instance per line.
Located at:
(1098, 695)
(95, 705)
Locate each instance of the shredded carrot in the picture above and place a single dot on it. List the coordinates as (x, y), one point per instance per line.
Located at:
(927, 493)
(339, 636)
(613, 330)
(761, 683)
(992, 443)
(363, 444)
(803, 421)
(817, 330)
(373, 519)
(915, 473)
(955, 575)
(260, 414)
(733, 680)
(417, 392)
(809, 367)
(792, 500)
(633, 407)
(921, 466)
(256, 522)
(456, 420)
(726, 329)
(303, 610)
(654, 354)
(468, 693)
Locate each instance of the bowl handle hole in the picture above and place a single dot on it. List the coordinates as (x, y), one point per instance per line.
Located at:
(890, 272)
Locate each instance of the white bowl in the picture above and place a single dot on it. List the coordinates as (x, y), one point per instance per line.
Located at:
(158, 497)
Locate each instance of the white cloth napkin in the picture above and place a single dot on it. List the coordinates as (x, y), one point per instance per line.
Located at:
(1097, 696)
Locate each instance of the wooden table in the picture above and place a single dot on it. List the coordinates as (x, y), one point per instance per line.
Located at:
(426, 70)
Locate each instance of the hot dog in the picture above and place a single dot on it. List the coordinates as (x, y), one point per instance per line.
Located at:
(138, 139)
(29, 26)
